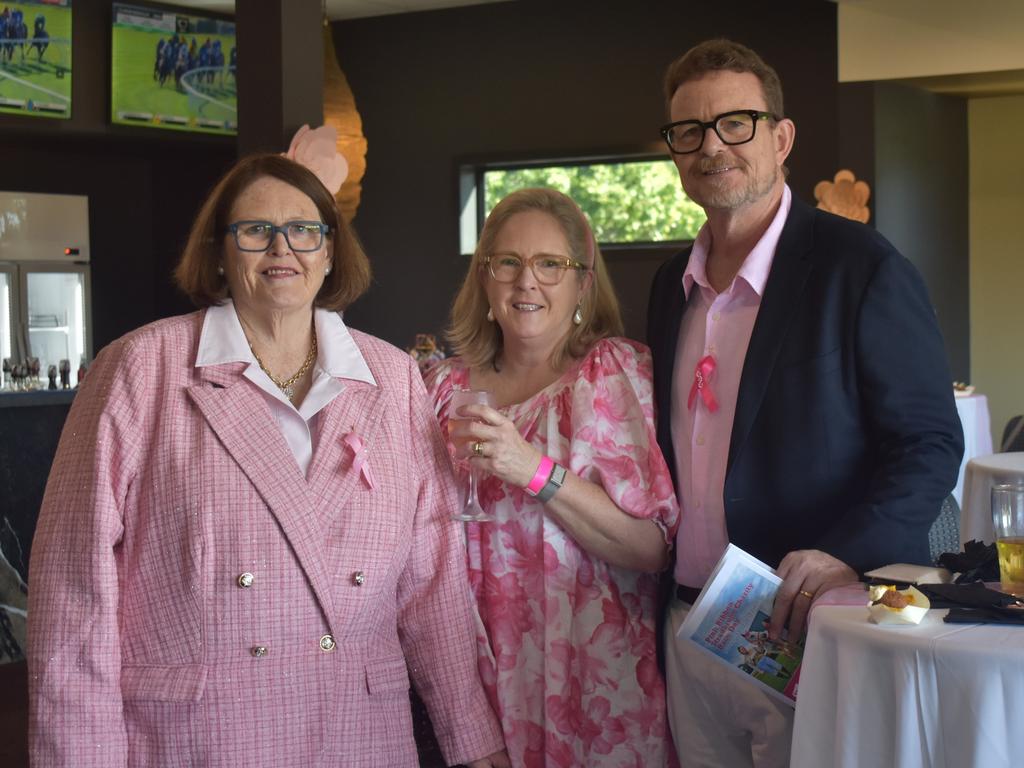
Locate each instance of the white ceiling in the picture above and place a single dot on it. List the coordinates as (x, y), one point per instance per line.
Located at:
(347, 9)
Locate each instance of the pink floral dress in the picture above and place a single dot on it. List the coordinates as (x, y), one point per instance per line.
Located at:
(567, 643)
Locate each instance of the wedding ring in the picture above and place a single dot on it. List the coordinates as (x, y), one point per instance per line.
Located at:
(478, 448)
(808, 595)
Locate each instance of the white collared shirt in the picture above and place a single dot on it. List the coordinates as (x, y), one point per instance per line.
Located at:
(223, 341)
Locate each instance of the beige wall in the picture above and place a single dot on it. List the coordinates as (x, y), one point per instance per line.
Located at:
(896, 39)
(996, 220)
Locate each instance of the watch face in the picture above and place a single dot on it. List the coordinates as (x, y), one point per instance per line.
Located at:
(558, 475)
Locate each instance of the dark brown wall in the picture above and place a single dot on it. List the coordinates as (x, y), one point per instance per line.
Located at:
(911, 147)
(536, 79)
(921, 174)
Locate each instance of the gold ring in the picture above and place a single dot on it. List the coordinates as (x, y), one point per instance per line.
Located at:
(478, 448)
(808, 595)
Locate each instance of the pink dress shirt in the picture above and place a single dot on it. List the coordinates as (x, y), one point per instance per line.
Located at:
(223, 341)
(716, 324)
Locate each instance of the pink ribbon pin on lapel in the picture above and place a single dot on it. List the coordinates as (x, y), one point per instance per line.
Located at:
(702, 384)
(359, 457)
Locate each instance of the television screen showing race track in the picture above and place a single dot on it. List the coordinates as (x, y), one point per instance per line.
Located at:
(35, 58)
(173, 70)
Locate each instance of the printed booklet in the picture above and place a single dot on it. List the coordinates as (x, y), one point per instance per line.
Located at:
(728, 621)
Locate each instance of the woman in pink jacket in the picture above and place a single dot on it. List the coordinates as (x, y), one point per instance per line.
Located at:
(246, 545)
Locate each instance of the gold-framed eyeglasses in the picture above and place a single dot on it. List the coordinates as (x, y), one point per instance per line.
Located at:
(301, 236)
(549, 270)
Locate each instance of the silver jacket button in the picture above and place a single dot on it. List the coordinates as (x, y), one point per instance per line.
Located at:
(259, 651)
(246, 579)
(327, 643)
(358, 578)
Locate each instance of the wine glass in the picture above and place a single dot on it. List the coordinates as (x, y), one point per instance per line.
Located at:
(471, 510)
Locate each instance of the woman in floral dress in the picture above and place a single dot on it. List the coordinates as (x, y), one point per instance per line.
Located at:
(565, 576)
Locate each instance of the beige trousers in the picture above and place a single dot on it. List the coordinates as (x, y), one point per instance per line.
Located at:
(718, 719)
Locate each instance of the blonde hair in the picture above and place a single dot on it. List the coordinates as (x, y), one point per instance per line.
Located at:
(479, 341)
(196, 273)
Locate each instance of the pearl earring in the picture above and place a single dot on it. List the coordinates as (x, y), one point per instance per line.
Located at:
(577, 316)
(327, 271)
(220, 270)
(490, 315)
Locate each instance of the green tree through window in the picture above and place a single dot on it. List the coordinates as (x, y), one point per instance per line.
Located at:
(630, 202)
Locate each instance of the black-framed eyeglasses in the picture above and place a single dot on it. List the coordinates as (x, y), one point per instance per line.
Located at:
(301, 236)
(736, 127)
(549, 270)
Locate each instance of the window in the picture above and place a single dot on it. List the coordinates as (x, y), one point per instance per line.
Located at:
(627, 201)
(636, 206)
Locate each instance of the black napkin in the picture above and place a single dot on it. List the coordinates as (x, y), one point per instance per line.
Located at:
(984, 616)
(978, 562)
(974, 595)
(973, 603)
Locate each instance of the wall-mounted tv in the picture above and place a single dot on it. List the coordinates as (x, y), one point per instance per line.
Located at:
(35, 58)
(173, 70)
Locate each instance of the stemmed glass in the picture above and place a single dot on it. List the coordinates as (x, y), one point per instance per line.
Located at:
(471, 510)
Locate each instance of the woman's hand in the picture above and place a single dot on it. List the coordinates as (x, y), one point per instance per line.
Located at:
(492, 442)
(582, 508)
(497, 760)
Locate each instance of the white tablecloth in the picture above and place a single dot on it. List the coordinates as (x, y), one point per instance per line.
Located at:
(929, 696)
(974, 418)
(976, 511)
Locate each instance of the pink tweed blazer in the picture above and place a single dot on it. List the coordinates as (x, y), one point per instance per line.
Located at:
(195, 601)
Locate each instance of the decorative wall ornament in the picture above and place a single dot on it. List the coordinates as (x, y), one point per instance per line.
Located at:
(340, 113)
(844, 196)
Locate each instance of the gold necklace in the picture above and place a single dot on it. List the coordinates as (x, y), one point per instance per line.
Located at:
(288, 386)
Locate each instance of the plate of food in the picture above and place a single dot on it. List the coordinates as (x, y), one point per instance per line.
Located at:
(962, 389)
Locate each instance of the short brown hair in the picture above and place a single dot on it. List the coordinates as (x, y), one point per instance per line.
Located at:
(478, 340)
(724, 55)
(196, 273)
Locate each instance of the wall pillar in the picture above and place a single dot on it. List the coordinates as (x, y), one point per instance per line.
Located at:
(280, 71)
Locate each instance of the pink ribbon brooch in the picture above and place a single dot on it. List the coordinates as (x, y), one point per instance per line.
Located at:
(359, 457)
(702, 384)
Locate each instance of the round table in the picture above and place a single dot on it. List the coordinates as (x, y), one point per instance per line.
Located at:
(933, 695)
(982, 473)
(974, 418)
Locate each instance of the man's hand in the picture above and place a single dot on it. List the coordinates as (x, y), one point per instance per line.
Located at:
(497, 760)
(806, 574)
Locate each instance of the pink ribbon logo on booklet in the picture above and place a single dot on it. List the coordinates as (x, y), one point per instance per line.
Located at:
(359, 457)
(702, 384)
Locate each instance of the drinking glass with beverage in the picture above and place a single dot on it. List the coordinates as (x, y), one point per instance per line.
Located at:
(471, 510)
(1008, 521)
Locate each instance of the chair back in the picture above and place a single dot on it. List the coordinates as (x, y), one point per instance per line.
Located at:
(944, 535)
(1013, 435)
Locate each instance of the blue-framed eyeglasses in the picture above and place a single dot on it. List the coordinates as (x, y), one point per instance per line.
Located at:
(301, 236)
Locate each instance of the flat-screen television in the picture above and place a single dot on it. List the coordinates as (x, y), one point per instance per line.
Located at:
(171, 69)
(35, 58)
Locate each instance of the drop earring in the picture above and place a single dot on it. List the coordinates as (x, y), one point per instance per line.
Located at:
(577, 316)
(490, 315)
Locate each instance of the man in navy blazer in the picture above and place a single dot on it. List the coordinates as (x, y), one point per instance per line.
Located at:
(804, 399)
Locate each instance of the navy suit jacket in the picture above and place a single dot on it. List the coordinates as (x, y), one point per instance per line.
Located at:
(846, 437)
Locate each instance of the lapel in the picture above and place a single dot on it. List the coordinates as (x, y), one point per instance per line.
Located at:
(358, 409)
(790, 269)
(668, 334)
(243, 423)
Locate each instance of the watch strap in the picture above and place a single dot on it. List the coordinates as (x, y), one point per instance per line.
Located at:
(554, 482)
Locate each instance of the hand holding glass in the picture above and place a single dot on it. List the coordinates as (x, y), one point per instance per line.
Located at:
(471, 510)
(1008, 521)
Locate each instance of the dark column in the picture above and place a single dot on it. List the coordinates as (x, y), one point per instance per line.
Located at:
(280, 71)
